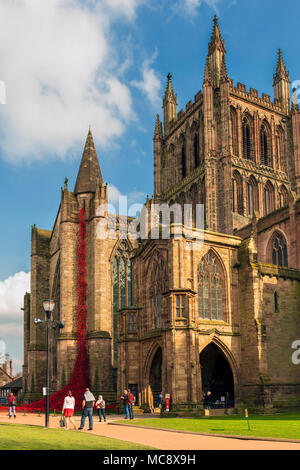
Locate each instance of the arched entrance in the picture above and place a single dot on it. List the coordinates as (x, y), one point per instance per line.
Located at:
(155, 381)
(216, 374)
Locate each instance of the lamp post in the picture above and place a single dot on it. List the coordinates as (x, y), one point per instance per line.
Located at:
(48, 306)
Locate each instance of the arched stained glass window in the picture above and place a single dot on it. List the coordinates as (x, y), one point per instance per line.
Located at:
(122, 288)
(279, 251)
(210, 303)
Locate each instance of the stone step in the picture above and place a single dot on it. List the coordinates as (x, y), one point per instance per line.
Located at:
(137, 410)
(220, 412)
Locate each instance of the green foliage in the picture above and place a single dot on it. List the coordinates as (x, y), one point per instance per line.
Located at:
(281, 425)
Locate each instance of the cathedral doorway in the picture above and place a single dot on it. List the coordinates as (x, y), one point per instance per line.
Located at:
(155, 381)
(216, 374)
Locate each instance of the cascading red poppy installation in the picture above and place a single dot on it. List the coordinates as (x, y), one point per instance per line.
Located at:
(79, 379)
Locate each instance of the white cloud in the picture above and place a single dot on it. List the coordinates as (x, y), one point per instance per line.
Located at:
(133, 197)
(150, 84)
(12, 292)
(190, 7)
(60, 64)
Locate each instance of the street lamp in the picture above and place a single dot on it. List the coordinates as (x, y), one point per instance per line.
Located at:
(48, 306)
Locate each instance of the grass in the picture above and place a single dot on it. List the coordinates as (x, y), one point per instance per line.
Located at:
(285, 425)
(24, 437)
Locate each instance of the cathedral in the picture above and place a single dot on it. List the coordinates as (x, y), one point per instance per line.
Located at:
(162, 316)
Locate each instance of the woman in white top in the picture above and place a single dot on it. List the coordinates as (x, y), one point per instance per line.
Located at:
(68, 409)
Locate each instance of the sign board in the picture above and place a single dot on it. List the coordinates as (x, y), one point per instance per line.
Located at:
(44, 391)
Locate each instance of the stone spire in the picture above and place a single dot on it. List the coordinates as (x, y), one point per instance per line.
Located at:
(216, 55)
(89, 171)
(281, 84)
(169, 103)
(281, 72)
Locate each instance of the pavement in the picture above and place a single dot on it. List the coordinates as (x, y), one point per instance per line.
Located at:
(159, 439)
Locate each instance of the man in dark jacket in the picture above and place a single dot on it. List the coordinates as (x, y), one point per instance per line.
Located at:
(87, 409)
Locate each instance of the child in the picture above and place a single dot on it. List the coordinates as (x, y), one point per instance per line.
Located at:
(100, 406)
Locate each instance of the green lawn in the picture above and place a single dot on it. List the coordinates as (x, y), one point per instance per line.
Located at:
(285, 425)
(23, 437)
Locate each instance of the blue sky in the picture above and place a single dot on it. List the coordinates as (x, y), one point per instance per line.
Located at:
(105, 64)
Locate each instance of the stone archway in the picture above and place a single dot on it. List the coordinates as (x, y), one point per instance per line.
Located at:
(216, 373)
(155, 375)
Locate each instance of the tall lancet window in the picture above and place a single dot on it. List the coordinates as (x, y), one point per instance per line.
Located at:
(234, 130)
(237, 193)
(183, 158)
(210, 289)
(265, 145)
(122, 288)
(246, 139)
(158, 285)
(268, 198)
(196, 150)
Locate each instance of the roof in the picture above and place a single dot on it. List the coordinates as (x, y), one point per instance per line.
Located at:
(89, 174)
(2, 371)
(17, 383)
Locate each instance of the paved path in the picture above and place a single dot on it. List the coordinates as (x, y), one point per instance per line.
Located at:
(164, 440)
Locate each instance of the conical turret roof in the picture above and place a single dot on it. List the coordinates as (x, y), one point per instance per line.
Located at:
(89, 172)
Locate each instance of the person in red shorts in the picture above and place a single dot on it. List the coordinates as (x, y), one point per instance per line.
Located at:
(68, 409)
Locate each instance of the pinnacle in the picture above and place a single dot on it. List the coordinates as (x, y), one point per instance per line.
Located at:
(158, 127)
(169, 88)
(281, 71)
(216, 41)
(89, 171)
(224, 74)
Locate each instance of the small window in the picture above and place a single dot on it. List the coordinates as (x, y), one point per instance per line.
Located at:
(132, 321)
(180, 306)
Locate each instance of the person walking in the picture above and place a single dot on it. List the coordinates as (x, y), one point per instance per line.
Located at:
(100, 406)
(130, 401)
(124, 399)
(12, 405)
(87, 409)
(68, 409)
